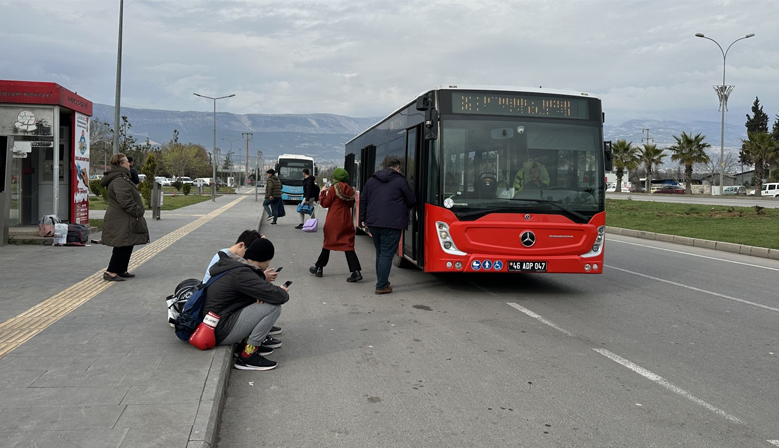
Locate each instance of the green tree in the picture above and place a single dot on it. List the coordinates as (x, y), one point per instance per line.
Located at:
(758, 122)
(651, 156)
(688, 151)
(186, 159)
(150, 170)
(100, 146)
(625, 158)
(760, 149)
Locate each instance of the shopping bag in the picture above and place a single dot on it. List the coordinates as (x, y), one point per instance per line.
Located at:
(305, 208)
(310, 225)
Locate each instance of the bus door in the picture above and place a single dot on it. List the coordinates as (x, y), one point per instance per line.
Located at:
(411, 171)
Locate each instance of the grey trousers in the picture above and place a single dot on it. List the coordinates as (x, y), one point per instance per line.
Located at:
(255, 321)
(303, 216)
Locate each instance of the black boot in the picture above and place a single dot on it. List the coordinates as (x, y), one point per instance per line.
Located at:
(315, 270)
(356, 277)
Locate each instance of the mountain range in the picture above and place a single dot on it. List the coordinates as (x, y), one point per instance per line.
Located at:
(323, 136)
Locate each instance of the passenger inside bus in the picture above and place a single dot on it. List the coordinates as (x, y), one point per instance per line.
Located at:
(531, 176)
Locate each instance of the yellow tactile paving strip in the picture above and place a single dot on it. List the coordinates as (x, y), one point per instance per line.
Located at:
(17, 330)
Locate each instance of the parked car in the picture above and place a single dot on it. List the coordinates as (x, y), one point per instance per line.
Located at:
(185, 180)
(770, 189)
(220, 183)
(163, 181)
(734, 190)
(202, 182)
(670, 189)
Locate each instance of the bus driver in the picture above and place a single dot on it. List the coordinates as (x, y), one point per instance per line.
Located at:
(532, 176)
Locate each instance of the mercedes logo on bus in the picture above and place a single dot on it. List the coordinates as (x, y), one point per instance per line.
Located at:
(527, 238)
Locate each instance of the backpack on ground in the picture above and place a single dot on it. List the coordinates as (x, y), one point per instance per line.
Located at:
(78, 234)
(46, 225)
(189, 317)
(178, 299)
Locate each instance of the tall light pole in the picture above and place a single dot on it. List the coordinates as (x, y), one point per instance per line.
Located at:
(118, 80)
(231, 145)
(213, 148)
(723, 92)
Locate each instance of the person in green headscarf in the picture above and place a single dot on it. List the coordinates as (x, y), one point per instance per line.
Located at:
(339, 226)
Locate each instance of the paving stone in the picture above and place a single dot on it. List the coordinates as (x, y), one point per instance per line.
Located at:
(64, 396)
(97, 438)
(17, 379)
(59, 418)
(175, 437)
(11, 362)
(163, 393)
(157, 415)
(80, 378)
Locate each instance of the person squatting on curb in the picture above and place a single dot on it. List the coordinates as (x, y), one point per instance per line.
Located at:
(384, 204)
(310, 196)
(272, 196)
(124, 225)
(339, 228)
(236, 252)
(247, 304)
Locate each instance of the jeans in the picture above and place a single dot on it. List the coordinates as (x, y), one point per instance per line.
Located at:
(303, 216)
(270, 208)
(254, 322)
(386, 242)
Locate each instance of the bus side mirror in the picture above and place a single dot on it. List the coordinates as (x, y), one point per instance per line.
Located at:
(424, 102)
(608, 156)
(316, 171)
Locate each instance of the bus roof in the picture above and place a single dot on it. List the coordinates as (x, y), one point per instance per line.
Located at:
(295, 156)
(477, 88)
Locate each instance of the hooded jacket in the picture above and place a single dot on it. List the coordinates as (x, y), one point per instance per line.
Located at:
(338, 229)
(123, 224)
(310, 190)
(273, 187)
(385, 200)
(241, 286)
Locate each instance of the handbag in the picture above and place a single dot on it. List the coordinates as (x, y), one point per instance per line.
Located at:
(310, 225)
(305, 208)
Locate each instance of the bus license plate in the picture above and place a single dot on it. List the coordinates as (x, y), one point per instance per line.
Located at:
(527, 266)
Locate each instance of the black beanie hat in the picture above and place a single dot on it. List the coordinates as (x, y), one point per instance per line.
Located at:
(260, 250)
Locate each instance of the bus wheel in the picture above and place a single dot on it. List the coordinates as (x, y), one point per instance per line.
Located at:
(400, 262)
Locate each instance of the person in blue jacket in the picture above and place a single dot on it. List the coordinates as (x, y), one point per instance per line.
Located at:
(384, 205)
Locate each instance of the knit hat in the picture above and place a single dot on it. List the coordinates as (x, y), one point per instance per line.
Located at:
(340, 175)
(260, 250)
(271, 171)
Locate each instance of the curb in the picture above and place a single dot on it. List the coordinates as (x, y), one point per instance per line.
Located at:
(205, 430)
(743, 249)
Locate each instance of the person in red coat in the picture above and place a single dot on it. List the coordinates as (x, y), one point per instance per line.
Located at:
(339, 228)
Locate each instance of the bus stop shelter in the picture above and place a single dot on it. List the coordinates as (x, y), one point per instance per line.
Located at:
(44, 154)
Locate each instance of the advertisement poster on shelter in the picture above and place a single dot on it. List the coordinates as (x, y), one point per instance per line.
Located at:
(80, 181)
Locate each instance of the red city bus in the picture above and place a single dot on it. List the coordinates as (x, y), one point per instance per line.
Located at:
(507, 180)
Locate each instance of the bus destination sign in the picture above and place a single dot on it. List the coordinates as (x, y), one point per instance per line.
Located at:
(513, 104)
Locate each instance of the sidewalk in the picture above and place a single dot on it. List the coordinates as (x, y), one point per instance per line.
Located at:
(90, 363)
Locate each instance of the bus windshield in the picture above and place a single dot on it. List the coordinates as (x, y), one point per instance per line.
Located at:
(291, 170)
(514, 165)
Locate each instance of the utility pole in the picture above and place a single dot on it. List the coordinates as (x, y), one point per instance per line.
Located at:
(247, 136)
(647, 135)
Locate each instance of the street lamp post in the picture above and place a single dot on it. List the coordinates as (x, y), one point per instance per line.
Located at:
(723, 92)
(213, 148)
(118, 98)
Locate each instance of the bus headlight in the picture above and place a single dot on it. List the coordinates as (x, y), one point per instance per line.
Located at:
(445, 239)
(458, 265)
(596, 248)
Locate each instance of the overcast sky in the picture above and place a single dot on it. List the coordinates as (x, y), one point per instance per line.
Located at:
(365, 58)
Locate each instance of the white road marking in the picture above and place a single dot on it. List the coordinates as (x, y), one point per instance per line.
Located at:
(539, 318)
(663, 382)
(735, 299)
(695, 255)
(774, 442)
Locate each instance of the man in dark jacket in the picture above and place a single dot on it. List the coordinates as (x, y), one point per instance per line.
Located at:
(272, 196)
(384, 205)
(133, 173)
(247, 304)
(310, 195)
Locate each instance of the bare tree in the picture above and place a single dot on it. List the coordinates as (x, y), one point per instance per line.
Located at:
(100, 145)
(711, 168)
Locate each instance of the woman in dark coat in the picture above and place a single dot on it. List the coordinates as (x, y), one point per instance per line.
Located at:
(123, 225)
(339, 228)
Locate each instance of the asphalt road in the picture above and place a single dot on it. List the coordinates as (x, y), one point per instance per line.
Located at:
(671, 346)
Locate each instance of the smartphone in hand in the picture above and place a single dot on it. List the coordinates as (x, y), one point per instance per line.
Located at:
(278, 269)
(287, 283)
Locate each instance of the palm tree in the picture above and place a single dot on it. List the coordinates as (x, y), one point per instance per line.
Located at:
(760, 149)
(650, 155)
(689, 150)
(625, 158)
